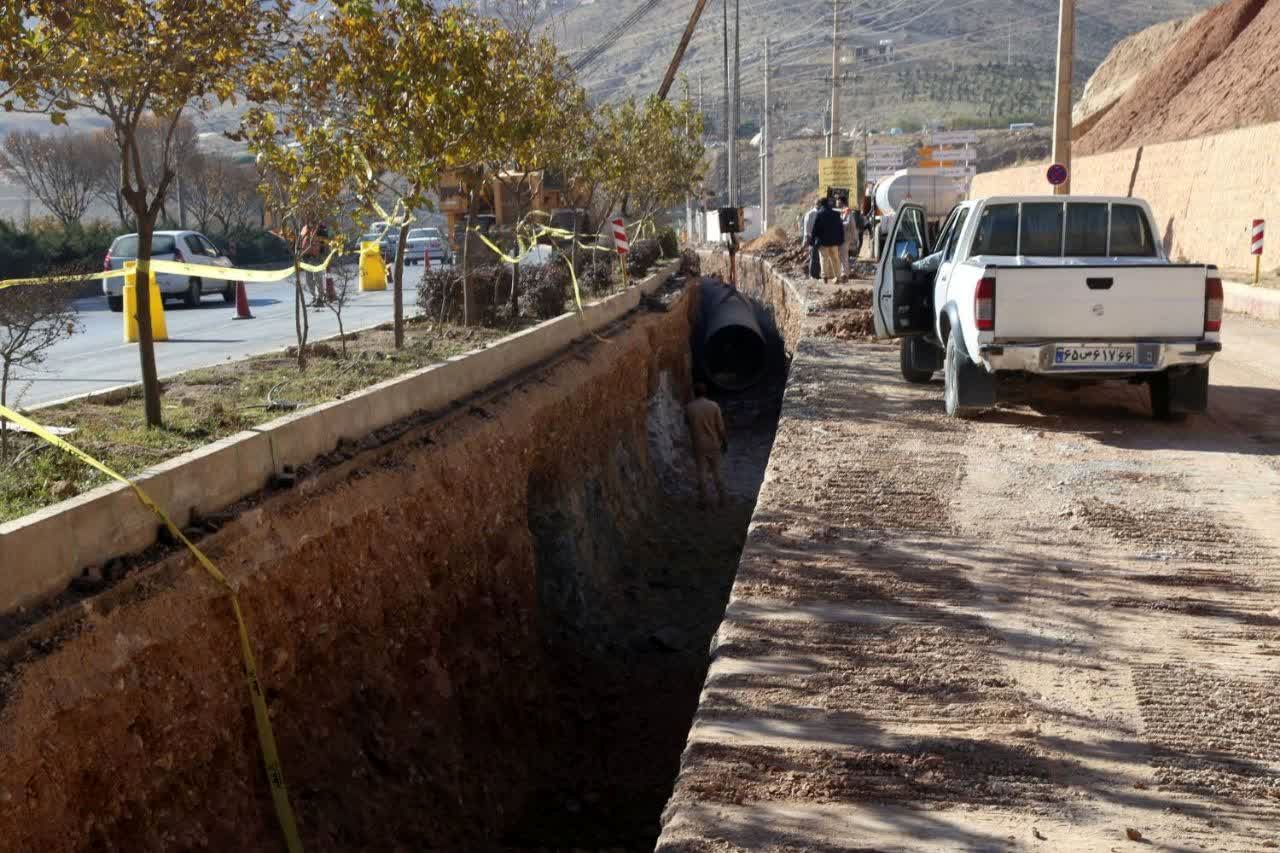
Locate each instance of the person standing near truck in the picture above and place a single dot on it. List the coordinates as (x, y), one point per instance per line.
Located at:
(828, 236)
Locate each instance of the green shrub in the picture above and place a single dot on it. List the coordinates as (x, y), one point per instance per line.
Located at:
(544, 289)
(644, 254)
(669, 242)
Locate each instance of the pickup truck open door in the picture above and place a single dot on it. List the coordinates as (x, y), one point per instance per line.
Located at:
(901, 300)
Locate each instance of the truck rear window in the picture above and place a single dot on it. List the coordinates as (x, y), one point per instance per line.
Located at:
(1130, 233)
(997, 231)
(1053, 230)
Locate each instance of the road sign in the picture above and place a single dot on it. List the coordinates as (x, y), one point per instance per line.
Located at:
(1259, 232)
(837, 172)
(620, 240)
(954, 137)
(1058, 174)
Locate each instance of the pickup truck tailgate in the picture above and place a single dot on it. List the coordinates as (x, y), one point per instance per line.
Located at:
(1099, 302)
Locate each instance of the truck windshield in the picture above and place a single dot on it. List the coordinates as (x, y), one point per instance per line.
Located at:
(1054, 230)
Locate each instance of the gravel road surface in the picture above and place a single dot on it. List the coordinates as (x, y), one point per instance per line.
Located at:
(1052, 628)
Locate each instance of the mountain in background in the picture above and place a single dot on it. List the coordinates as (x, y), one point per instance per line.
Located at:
(973, 62)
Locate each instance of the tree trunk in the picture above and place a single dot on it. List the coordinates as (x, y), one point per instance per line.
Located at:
(399, 286)
(466, 257)
(4, 401)
(300, 321)
(146, 342)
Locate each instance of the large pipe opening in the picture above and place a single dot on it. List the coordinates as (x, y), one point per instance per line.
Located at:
(736, 340)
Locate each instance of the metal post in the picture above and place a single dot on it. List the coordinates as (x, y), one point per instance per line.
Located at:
(724, 109)
(182, 204)
(688, 199)
(737, 110)
(1062, 103)
(766, 149)
(833, 141)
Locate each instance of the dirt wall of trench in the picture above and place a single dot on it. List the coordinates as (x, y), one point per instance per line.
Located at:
(392, 598)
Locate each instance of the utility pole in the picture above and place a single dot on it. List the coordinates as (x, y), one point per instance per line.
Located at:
(688, 199)
(725, 117)
(766, 149)
(833, 140)
(1062, 102)
(737, 109)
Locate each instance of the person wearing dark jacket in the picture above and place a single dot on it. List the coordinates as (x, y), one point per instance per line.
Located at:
(828, 236)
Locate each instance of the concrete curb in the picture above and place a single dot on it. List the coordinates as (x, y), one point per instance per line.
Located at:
(1258, 302)
(43, 552)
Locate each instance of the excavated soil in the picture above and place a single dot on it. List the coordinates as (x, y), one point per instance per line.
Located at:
(1223, 72)
(484, 629)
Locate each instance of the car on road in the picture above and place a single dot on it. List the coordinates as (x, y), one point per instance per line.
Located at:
(422, 243)
(189, 247)
(385, 237)
(1069, 289)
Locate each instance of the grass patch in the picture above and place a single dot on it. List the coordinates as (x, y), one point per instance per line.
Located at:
(202, 406)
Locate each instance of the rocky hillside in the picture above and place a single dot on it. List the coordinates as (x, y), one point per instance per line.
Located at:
(1221, 72)
(1002, 50)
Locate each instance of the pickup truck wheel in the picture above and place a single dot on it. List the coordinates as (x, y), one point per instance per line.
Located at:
(116, 303)
(907, 360)
(229, 294)
(192, 297)
(1162, 397)
(953, 376)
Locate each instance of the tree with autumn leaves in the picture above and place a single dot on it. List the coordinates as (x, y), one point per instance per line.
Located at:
(131, 61)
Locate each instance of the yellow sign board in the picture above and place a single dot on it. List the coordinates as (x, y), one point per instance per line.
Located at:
(839, 172)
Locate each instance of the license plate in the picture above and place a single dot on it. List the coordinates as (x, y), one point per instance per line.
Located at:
(1095, 356)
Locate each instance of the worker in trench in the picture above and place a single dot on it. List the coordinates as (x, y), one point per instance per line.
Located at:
(710, 440)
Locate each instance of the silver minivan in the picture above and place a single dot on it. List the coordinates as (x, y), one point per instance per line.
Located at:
(190, 247)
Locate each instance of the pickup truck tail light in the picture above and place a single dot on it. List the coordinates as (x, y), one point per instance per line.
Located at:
(106, 262)
(1213, 305)
(984, 305)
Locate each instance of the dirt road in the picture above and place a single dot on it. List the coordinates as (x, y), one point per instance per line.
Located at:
(1054, 628)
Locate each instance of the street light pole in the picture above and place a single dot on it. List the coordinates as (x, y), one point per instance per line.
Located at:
(1062, 100)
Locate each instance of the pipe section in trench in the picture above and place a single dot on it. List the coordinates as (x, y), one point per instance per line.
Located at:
(735, 340)
(480, 629)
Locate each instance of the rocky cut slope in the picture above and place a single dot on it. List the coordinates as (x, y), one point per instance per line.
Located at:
(1221, 72)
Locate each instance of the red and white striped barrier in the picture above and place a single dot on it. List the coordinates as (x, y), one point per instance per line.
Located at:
(1259, 231)
(620, 237)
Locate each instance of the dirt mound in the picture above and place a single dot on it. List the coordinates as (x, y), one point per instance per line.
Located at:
(1128, 61)
(1222, 73)
(849, 298)
(774, 238)
(852, 326)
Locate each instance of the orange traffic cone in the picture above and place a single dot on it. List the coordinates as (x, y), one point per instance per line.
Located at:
(242, 303)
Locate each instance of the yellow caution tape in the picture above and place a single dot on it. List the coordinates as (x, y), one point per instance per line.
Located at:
(204, 271)
(266, 736)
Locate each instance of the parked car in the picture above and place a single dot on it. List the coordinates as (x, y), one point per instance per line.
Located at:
(385, 237)
(426, 242)
(190, 247)
(1067, 288)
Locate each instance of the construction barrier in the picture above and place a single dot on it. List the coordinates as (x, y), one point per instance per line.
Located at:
(373, 269)
(159, 328)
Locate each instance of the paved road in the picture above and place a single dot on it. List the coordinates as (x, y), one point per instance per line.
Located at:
(96, 358)
(1052, 628)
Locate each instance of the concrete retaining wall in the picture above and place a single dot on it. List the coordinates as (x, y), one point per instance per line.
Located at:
(43, 552)
(1205, 192)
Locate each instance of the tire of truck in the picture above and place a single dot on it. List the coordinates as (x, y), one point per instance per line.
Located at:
(194, 293)
(1173, 397)
(116, 304)
(908, 352)
(229, 294)
(954, 375)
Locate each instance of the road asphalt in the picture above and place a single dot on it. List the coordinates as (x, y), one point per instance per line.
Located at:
(96, 357)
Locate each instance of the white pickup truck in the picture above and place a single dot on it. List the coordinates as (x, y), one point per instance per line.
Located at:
(1068, 288)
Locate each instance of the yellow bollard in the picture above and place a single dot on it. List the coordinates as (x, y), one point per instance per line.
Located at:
(159, 329)
(373, 270)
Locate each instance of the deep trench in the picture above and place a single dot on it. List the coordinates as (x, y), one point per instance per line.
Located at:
(439, 677)
(627, 609)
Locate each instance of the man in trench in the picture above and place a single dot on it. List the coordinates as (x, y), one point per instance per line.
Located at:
(710, 440)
